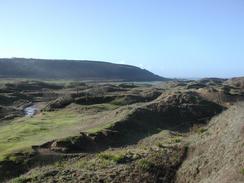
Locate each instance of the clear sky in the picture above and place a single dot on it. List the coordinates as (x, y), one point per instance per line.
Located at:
(173, 38)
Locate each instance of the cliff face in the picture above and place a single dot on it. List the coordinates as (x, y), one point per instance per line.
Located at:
(70, 69)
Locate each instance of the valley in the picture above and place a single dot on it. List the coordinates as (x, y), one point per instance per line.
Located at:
(70, 131)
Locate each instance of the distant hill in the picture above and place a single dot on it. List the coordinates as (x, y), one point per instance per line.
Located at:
(72, 69)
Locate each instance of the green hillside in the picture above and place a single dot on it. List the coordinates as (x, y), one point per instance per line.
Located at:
(71, 69)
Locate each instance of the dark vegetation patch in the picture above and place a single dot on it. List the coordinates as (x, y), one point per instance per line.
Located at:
(195, 86)
(15, 96)
(212, 81)
(7, 113)
(89, 98)
(127, 85)
(131, 99)
(15, 164)
(30, 86)
(60, 102)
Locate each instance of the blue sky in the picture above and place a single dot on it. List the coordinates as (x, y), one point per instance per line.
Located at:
(173, 38)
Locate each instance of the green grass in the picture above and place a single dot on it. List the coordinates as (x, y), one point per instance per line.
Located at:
(119, 101)
(201, 130)
(20, 180)
(23, 132)
(98, 129)
(242, 171)
(176, 140)
(145, 164)
(115, 157)
(101, 107)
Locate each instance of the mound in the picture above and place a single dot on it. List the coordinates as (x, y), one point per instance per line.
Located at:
(225, 95)
(217, 154)
(9, 113)
(178, 111)
(91, 97)
(237, 82)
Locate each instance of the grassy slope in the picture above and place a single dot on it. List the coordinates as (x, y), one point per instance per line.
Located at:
(214, 155)
(26, 131)
(135, 163)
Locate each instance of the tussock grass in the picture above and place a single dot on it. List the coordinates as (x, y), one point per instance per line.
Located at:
(115, 157)
(201, 130)
(145, 164)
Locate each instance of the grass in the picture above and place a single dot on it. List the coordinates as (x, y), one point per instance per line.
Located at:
(119, 101)
(99, 128)
(23, 132)
(145, 164)
(117, 158)
(201, 130)
(176, 140)
(242, 171)
(173, 140)
(99, 164)
(101, 107)
(20, 180)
